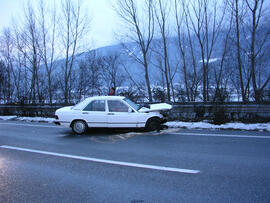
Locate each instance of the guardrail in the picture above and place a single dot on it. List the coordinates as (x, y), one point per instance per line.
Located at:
(221, 113)
(29, 110)
(196, 111)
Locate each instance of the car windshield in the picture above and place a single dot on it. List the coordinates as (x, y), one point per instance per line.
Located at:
(132, 104)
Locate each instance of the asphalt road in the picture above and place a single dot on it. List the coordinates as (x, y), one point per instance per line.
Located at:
(45, 163)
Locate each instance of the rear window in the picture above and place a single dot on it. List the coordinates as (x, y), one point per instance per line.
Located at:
(96, 105)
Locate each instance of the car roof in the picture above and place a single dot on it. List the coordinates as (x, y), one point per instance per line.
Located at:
(106, 98)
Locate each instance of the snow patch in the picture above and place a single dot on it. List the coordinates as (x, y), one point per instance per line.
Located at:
(36, 119)
(28, 119)
(205, 125)
(7, 117)
(211, 60)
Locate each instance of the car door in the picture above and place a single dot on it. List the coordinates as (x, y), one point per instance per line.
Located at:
(120, 115)
(95, 114)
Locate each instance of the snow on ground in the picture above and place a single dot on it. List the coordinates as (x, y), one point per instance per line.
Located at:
(205, 125)
(36, 119)
(8, 117)
(28, 119)
(170, 124)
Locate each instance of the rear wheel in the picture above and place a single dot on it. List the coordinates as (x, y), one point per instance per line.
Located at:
(79, 127)
(153, 124)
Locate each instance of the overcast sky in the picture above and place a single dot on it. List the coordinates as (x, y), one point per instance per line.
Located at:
(104, 19)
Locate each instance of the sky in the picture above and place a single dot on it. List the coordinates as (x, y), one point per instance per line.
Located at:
(104, 18)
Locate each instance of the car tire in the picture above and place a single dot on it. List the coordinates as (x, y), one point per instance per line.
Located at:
(153, 124)
(79, 127)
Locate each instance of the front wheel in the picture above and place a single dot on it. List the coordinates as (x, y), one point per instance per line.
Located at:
(79, 127)
(153, 124)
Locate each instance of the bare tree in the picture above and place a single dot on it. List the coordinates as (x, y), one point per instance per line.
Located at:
(194, 75)
(89, 75)
(206, 20)
(219, 74)
(21, 72)
(47, 23)
(257, 11)
(94, 68)
(12, 58)
(138, 86)
(3, 82)
(252, 41)
(181, 16)
(28, 40)
(187, 50)
(111, 70)
(139, 22)
(162, 11)
(234, 4)
(7, 55)
(73, 26)
(185, 45)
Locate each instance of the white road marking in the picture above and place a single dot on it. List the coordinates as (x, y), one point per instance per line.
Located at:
(129, 164)
(222, 135)
(31, 125)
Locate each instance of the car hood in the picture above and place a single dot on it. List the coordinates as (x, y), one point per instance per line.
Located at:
(156, 107)
(66, 108)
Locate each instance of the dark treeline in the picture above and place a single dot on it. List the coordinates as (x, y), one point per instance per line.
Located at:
(221, 52)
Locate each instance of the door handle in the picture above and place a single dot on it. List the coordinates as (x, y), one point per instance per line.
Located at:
(85, 113)
(110, 113)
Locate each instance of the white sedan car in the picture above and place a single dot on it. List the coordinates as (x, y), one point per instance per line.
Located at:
(110, 112)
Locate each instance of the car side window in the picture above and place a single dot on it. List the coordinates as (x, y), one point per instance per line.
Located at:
(117, 106)
(96, 105)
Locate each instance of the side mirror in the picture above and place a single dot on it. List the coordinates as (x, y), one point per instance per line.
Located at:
(130, 110)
